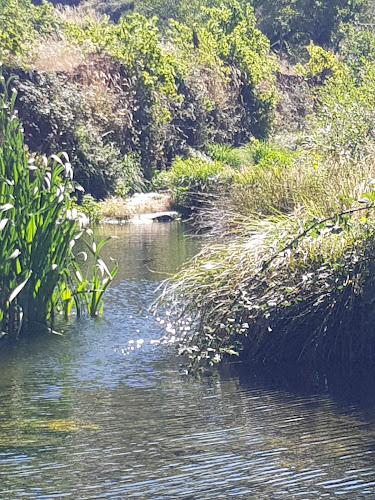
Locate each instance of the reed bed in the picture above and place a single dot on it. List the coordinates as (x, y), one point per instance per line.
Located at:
(39, 273)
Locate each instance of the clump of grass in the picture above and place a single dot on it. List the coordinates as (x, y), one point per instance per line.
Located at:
(319, 184)
(284, 290)
(260, 153)
(57, 55)
(189, 179)
(287, 276)
(234, 157)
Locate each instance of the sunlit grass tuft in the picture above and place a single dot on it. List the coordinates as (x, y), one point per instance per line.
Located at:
(284, 290)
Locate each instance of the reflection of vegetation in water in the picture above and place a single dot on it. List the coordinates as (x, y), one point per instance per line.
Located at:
(153, 251)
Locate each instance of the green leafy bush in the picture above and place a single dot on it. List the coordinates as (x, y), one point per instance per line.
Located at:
(22, 23)
(260, 153)
(227, 43)
(357, 48)
(130, 179)
(292, 25)
(267, 154)
(344, 120)
(90, 208)
(104, 167)
(58, 115)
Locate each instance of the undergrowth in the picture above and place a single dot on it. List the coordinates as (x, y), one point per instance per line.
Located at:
(283, 290)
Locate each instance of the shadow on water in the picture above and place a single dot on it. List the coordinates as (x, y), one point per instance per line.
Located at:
(355, 387)
(105, 412)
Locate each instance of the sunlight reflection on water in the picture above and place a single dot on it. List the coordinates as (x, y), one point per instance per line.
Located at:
(104, 412)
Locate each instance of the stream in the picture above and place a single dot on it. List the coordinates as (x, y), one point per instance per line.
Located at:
(103, 411)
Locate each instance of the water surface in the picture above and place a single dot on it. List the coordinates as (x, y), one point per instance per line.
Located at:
(104, 412)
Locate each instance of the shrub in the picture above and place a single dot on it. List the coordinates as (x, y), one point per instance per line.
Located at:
(291, 25)
(90, 208)
(357, 48)
(22, 24)
(105, 168)
(60, 115)
(228, 43)
(344, 119)
(130, 179)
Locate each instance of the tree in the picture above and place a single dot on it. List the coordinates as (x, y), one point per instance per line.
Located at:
(294, 23)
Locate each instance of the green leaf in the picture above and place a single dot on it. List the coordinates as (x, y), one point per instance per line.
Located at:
(18, 289)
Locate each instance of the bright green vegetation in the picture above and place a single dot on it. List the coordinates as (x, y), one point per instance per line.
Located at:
(39, 273)
(125, 98)
(204, 99)
(21, 24)
(288, 277)
(189, 179)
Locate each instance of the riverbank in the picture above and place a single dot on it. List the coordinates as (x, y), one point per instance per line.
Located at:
(287, 277)
(140, 204)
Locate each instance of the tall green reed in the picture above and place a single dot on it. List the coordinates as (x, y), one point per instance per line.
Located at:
(38, 230)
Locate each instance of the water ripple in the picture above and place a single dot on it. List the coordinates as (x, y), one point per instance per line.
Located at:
(103, 412)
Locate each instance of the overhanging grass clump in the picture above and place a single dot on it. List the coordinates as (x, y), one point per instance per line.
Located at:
(39, 273)
(284, 290)
(191, 178)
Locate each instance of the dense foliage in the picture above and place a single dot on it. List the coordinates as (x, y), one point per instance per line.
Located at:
(21, 23)
(129, 88)
(293, 24)
(191, 97)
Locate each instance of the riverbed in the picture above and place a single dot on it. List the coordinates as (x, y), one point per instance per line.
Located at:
(104, 411)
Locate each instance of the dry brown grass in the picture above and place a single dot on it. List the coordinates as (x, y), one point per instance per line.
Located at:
(78, 15)
(56, 55)
(141, 203)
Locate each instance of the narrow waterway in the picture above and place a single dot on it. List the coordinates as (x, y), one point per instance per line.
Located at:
(105, 412)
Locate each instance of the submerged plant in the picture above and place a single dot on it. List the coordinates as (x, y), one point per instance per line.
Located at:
(38, 228)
